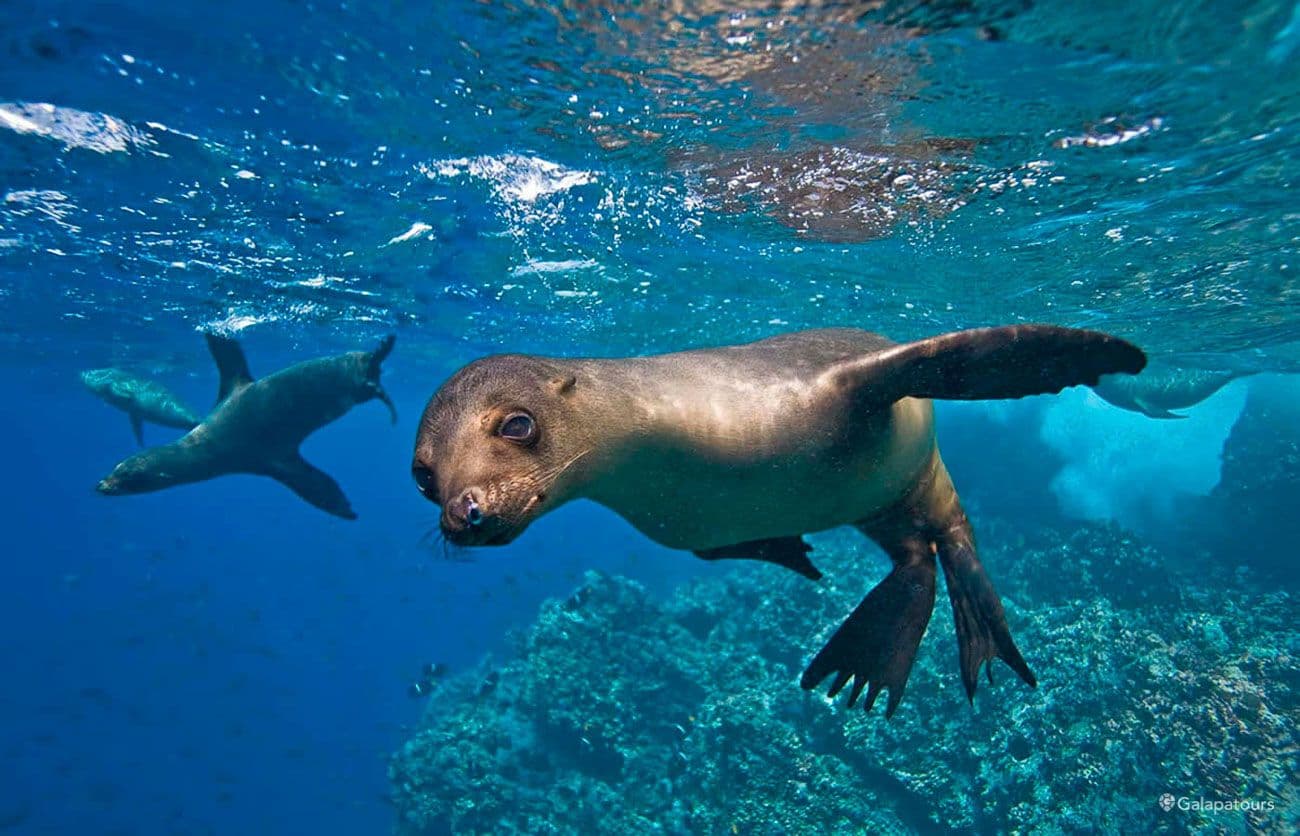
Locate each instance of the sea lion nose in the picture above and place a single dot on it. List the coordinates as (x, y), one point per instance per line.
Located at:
(464, 511)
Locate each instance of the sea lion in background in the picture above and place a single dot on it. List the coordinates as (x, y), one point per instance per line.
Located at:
(1163, 388)
(737, 452)
(142, 400)
(256, 426)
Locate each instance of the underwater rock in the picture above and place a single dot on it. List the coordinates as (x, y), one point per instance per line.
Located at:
(1258, 489)
(622, 713)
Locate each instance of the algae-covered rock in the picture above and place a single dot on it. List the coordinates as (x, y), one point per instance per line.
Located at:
(624, 714)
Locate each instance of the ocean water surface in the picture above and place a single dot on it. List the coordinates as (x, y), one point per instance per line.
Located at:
(618, 178)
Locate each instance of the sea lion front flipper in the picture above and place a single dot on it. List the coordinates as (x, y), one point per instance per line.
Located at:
(877, 643)
(1011, 361)
(137, 427)
(982, 630)
(790, 552)
(231, 365)
(312, 484)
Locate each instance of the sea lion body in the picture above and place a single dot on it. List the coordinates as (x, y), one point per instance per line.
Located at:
(142, 400)
(285, 407)
(798, 439)
(736, 452)
(257, 426)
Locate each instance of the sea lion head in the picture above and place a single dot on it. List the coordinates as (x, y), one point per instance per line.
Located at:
(147, 470)
(496, 447)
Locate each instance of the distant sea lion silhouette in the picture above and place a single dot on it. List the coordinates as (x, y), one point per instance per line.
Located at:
(1163, 388)
(142, 400)
(256, 426)
(737, 452)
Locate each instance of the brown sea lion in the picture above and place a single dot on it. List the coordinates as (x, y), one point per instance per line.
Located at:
(257, 426)
(737, 452)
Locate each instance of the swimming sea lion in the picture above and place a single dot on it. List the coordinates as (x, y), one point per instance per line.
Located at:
(1164, 388)
(256, 426)
(142, 400)
(737, 452)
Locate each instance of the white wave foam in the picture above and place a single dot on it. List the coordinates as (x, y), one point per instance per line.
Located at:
(514, 177)
(97, 132)
(417, 228)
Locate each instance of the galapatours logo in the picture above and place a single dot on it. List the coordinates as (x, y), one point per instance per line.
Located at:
(1213, 805)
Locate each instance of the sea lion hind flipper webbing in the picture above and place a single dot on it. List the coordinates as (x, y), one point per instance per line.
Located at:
(1011, 361)
(376, 359)
(981, 622)
(312, 484)
(231, 364)
(877, 643)
(380, 353)
(790, 552)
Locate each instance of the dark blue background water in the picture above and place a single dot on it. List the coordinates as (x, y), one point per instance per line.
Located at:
(223, 658)
(226, 658)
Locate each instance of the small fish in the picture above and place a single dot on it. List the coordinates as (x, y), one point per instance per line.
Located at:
(142, 400)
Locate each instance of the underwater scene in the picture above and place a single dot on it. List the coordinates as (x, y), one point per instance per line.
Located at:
(694, 417)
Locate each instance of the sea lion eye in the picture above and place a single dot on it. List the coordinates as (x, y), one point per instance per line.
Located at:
(424, 481)
(518, 427)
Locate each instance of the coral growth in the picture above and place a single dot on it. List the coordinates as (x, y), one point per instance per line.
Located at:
(623, 714)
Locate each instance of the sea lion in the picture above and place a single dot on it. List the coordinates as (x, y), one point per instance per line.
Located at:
(1164, 388)
(256, 426)
(737, 452)
(142, 400)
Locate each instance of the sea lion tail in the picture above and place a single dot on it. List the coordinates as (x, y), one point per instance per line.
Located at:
(1010, 361)
(373, 370)
(381, 352)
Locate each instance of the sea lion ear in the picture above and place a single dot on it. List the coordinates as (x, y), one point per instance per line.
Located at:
(564, 384)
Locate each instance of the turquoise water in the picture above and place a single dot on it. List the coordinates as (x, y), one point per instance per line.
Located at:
(616, 179)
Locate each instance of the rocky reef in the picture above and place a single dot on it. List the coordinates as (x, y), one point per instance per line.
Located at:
(621, 713)
(1250, 516)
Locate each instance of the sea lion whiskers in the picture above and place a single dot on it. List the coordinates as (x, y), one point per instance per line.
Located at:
(451, 552)
(547, 476)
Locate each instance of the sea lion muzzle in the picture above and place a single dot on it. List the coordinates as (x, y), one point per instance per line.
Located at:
(466, 523)
(473, 514)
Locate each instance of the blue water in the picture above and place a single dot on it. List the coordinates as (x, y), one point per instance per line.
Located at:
(571, 179)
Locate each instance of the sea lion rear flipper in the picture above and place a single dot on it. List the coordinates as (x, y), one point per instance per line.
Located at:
(312, 484)
(231, 365)
(877, 643)
(377, 357)
(982, 631)
(137, 427)
(790, 552)
(1011, 361)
